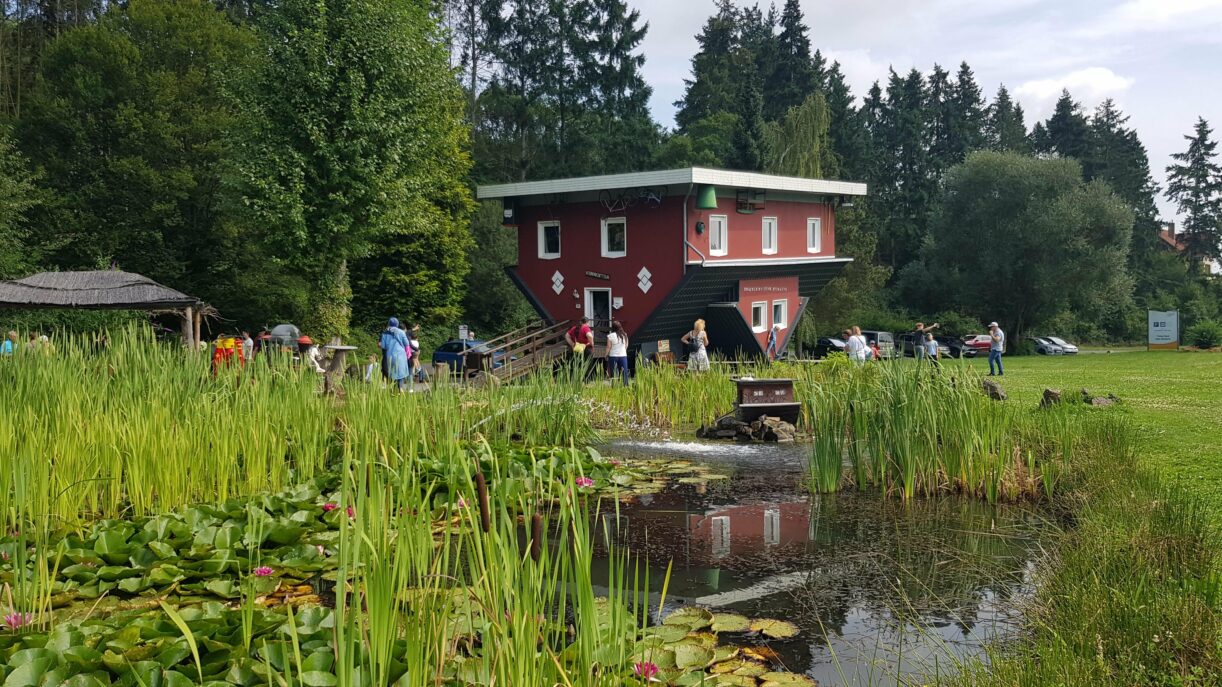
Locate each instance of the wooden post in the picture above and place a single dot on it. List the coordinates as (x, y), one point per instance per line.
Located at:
(188, 329)
(199, 318)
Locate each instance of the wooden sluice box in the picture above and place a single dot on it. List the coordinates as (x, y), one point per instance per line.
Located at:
(771, 397)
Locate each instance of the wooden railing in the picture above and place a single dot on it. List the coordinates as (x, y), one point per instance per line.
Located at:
(518, 353)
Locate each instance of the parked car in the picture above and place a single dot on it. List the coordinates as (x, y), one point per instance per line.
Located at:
(958, 347)
(907, 346)
(1045, 347)
(825, 346)
(454, 354)
(1066, 347)
(885, 341)
(980, 342)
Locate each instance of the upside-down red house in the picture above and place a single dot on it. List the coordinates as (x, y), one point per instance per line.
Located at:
(657, 250)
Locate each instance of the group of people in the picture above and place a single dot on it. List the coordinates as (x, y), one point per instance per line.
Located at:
(400, 356)
(580, 340)
(925, 346)
(38, 343)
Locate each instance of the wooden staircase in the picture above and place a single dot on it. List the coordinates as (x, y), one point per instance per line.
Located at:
(518, 353)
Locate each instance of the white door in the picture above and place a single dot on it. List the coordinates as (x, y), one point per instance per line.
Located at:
(598, 307)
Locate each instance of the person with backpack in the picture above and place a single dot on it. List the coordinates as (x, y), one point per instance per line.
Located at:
(697, 342)
(617, 350)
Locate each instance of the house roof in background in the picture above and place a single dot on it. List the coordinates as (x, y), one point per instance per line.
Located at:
(676, 177)
(98, 290)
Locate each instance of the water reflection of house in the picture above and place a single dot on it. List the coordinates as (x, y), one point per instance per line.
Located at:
(746, 529)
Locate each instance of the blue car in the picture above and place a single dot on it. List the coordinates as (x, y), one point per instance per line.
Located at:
(454, 354)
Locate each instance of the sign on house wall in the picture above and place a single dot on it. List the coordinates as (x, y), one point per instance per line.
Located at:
(1164, 330)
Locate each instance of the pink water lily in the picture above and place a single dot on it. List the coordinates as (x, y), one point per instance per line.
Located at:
(16, 621)
(645, 670)
(462, 503)
(615, 463)
(351, 512)
(585, 482)
(263, 571)
(328, 507)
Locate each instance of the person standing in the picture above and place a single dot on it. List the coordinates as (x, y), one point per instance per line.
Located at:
(697, 342)
(855, 345)
(997, 346)
(617, 350)
(580, 337)
(774, 335)
(875, 353)
(932, 352)
(9, 345)
(918, 338)
(413, 338)
(248, 346)
(395, 348)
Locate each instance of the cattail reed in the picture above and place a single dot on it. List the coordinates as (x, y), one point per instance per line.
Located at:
(536, 537)
(481, 490)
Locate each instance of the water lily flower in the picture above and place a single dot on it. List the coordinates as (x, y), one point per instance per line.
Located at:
(615, 463)
(585, 482)
(351, 512)
(328, 507)
(16, 621)
(462, 503)
(645, 670)
(263, 571)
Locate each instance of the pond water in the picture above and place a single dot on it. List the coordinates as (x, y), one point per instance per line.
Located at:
(884, 592)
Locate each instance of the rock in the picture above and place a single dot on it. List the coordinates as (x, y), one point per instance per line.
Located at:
(764, 428)
(1086, 397)
(993, 390)
(1051, 398)
(1101, 402)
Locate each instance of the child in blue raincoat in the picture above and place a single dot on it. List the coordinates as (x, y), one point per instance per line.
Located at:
(396, 351)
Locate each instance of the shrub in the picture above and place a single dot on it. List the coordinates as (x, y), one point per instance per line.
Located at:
(1205, 334)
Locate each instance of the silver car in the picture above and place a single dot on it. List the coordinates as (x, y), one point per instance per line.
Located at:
(1045, 346)
(1066, 347)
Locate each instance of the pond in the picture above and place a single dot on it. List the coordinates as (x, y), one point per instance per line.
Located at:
(883, 591)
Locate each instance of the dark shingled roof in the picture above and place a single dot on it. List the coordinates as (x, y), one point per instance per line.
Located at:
(102, 289)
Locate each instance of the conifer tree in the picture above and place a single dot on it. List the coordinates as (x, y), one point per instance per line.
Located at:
(903, 178)
(1194, 183)
(1066, 133)
(795, 73)
(747, 141)
(1004, 128)
(714, 80)
(847, 133)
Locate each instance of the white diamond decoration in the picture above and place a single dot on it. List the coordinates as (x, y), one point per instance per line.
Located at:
(557, 282)
(643, 282)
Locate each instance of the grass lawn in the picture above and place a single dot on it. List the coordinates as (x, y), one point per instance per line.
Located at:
(1175, 400)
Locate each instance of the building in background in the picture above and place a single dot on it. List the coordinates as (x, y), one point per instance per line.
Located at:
(657, 250)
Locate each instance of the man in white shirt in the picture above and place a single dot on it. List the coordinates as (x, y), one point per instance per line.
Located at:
(997, 344)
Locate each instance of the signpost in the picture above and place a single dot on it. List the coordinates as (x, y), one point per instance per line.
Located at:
(463, 332)
(1164, 330)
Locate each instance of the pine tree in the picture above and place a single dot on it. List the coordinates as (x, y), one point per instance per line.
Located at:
(941, 117)
(795, 74)
(849, 139)
(1195, 184)
(970, 112)
(616, 97)
(1066, 133)
(903, 178)
(1004, 128)
(715, 78)
(747, 141)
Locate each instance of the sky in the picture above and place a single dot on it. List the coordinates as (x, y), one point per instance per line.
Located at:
(1160, 60)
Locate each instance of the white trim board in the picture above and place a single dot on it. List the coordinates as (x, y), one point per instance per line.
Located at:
(674, 177)
(759, 262)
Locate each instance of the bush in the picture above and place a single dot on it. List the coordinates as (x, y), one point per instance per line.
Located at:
(1205, 334)
(952, 323)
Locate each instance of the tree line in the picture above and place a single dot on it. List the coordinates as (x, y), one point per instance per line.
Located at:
(312, 160)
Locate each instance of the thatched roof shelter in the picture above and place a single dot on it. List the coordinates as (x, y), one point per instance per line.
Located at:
(102, 290)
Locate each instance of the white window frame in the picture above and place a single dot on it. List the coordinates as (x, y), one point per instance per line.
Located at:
(763, 308)
(606, 251)
(784, 319)
(774, 235)
(814, 234)
(543, 254)
(724, 234)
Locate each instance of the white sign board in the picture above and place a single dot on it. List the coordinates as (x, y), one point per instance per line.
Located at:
(1164, 329)
(463, 332)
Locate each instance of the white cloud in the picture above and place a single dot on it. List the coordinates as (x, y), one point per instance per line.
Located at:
(1089, 85)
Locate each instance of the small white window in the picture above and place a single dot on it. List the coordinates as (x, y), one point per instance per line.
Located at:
(780, 313)
(770, 238)
(814, 234)
(719, 235)
(549, 240)
(615, 237)
(759, 315)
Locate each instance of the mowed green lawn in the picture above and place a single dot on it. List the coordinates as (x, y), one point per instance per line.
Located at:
(1174, 398)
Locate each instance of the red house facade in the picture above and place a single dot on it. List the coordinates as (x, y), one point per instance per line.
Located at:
(657, 250)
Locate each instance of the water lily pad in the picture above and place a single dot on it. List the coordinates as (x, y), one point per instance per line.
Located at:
(691, 617)
(669, 633)
(733, 681)
(692, 656)
(730, 622)
(777, 629)
(739, 666)
(724, 653)
(787, 680)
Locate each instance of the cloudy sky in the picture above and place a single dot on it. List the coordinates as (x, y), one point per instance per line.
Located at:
(1159, 59)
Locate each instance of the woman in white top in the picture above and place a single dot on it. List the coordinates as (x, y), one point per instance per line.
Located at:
(856, 346)
(617, 350)
(698, 340)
